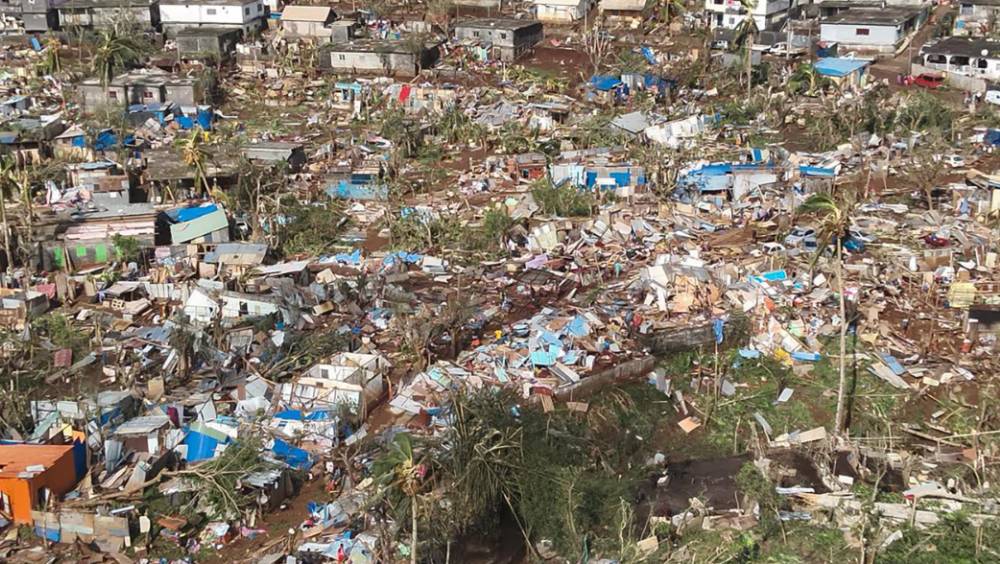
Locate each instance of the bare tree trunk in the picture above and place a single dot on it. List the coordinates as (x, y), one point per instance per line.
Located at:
(413, 530)
(842, 377)
(6, 236)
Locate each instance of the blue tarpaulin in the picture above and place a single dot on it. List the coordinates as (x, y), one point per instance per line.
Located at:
(349, 258)
(806, 356)
(838, 66)
(717, 327)
(348, 191)
(292, 456)
(182, 215)
(605, 82)
(408, 258)
(199, 446)
(298, 415)
(106, 139)
(823, 171)
(650, 56)
(992, 137)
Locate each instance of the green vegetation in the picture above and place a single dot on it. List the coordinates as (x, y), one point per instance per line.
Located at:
(310, 229)
(954, 540)
(562, 201)
(127, 248)
(59, 330)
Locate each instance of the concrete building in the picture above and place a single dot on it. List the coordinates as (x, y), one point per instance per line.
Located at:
(40, 15)
(977, 18)
(247, 15)
(966, 56)
(561, 11)
(624, 10)
(401, 56)
(207, 42)
(145, 86)
(307, 21)
(768, 14)
(101, 14)
(879, 31)
(508, 38)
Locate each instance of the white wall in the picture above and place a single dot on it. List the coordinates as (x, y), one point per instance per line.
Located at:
(211, 14)
(878, 36)
(560, 13)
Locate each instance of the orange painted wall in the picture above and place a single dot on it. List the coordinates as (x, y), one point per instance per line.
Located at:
(60, 478)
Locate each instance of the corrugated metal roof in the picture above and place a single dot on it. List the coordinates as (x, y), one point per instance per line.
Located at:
(306, 13)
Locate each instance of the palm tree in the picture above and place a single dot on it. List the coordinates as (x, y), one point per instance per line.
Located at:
(746, 33)
(194, 155)
(114, 53)
(401, 477)
(835, 218)
(8, 180)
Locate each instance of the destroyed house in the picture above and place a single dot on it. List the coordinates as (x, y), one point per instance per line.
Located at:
(595, 168)
(102, 14)
(146, 434)
(352, 380)
(201, 224)
(962, 55)
(307, 21)
(19, 307)
(26, 138)
(390, 56)
(506, 39)
(625, 10)
(975, 17)
(529, 166)
(144, 86)
(83, 238)
(33, 476)
(244, 15)
(872, 30)
(217, 43)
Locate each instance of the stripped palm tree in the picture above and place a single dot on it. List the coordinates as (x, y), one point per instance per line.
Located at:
(745, 34)
(672, 9)
(115, 53)
(194, 155)
(400, 477)
(834, 219)
(53, 63)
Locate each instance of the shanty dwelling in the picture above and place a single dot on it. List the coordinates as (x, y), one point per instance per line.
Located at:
(307, 21)
(143, 86)
(623, 11)
(218, 43)
(845, 73)
(32, 475)
(507, 37)
(102, 14)
(355, 382)
(272, 152)
(19, 307)
(561, 11)
(245, 15)
(966, 56)
(196, 225)
(728, 14)
(402, 57)
(976, 17)
(880, 31)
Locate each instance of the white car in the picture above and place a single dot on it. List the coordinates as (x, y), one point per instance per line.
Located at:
(954, 161)
(800, 236)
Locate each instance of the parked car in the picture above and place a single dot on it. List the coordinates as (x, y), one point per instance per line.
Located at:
(927, 80)
(782, 48)
(799, 235)
(954, 161)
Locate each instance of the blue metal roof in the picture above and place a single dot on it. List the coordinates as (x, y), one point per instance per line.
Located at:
(838, 66)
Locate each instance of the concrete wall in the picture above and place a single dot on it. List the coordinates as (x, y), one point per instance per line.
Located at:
(374, 62)
(846, 34)
(305, 29)
(211, 14)
(560, 14)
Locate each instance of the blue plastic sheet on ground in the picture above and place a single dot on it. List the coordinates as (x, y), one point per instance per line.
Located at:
(199, 446)
(605, 82)
(772, 276)
(349, 258)
(408, 258)
(543, 358)
(578, 327)
(892, 363)
(648, 53)
(292, 456)
(749, 353)
(805, 356)
(347, 191)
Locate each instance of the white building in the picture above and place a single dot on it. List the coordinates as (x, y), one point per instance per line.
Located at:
(247, 15)
(871, 30)
(561, 11)
(729, 13)
(977, 58)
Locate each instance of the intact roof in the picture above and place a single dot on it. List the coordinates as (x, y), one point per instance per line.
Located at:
(15, 459)
(497, 23)
(623, 5)
(895, 15)
(205, 2)
(142, 425)
(967, 46)
(306, 13)
(838, 67)
(84, 4)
